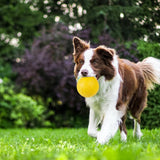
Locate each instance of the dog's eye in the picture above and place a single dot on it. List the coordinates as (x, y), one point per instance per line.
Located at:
(81, 61)
(94, 62)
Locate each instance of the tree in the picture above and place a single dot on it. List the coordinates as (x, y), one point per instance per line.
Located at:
(124, 20)
(18, 25)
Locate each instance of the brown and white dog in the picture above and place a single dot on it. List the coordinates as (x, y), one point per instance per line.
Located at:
(123, 87)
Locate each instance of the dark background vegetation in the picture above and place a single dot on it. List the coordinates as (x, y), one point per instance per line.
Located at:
(37, 86)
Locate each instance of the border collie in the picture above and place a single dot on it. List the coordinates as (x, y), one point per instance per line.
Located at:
(123, 87)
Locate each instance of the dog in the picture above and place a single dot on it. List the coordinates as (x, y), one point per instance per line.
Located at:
(123, 88)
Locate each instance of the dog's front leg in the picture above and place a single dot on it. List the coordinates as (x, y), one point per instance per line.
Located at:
(94, 120)
(109, 126)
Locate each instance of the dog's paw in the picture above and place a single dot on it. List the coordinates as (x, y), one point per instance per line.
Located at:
(102, 138)
(123, 137)
(137, 134)
(92, 133)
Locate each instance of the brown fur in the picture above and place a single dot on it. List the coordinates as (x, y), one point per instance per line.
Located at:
(79, 47)
(104, 56)
(133, 91)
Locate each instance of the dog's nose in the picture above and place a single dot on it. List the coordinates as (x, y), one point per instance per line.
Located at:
(84, 72)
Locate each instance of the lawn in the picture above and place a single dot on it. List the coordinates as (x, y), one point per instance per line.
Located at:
(70, 144)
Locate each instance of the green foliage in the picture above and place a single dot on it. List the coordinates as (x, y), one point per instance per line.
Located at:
(151, 115)
(17, 17)
(125, 20)
(146, 49)
(17, 22)
(18, 110)
(75, 144)
(8, 55)
(5, 70)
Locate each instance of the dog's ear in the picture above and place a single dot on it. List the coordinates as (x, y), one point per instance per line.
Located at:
(105, 53)
(79, 45)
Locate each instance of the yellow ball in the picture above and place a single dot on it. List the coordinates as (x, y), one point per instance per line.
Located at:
(87, 86)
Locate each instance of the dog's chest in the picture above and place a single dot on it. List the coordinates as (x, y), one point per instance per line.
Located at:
(108, 93)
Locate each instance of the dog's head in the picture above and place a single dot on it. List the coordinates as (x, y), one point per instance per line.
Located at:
(93, 62)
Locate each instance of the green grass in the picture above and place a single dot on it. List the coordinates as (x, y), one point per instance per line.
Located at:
(68, 144)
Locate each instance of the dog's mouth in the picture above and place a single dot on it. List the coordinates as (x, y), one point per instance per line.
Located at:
(97, 76)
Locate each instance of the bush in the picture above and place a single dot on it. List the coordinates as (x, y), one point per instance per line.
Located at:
(46, 70)
(18, 110)
(8, 54)
(151, 115)
(146, 49)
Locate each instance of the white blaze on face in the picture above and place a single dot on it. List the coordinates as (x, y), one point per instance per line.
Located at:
(88, 54)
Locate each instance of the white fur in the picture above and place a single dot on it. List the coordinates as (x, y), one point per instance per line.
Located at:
(123, 136)
(103, 105)
(156, 66)
(137, 130)
(88, 54)
(94, 120)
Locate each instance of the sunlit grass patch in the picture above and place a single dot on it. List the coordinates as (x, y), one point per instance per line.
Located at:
(66, 144)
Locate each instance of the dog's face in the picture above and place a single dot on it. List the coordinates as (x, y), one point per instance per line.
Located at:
(91, 62)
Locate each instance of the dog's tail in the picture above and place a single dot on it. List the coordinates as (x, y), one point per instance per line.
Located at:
(151, 71)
